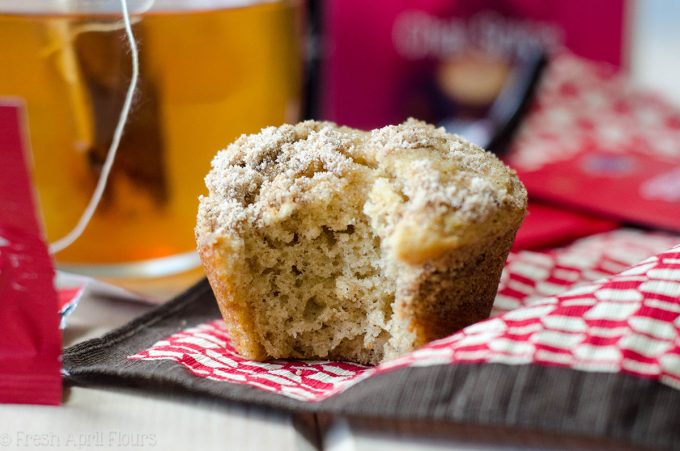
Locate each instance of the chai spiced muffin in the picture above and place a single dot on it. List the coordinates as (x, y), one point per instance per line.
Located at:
(327, 242)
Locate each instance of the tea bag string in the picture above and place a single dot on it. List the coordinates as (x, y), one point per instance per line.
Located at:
(77, 231)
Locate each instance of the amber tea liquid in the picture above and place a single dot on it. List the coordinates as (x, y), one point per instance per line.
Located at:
(205, 78)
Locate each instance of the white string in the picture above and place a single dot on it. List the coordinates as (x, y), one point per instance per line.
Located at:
(84, 220)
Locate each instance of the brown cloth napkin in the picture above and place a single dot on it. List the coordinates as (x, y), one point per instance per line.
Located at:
(180, 347)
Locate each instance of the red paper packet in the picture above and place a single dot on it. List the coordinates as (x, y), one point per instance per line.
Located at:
(549, 226)
(30, 342)
(596, 143)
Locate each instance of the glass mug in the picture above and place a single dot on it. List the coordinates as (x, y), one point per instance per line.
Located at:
(209, 71)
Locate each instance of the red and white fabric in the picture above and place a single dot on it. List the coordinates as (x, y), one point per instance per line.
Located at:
(586, 306)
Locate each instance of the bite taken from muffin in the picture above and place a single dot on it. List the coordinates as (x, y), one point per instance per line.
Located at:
(327, 242)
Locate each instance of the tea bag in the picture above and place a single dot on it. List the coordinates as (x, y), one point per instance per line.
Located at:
(137, 179)
(61, 40)
(61, 48)
(95, 119)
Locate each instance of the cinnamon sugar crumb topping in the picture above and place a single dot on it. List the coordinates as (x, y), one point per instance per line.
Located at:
(263, 176)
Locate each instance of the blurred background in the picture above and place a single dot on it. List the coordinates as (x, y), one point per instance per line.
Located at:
(573, 94)
(655, 40)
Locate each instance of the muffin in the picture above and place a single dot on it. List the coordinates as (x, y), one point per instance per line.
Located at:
(322, 241)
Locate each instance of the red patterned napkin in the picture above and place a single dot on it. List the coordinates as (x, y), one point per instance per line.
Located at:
(583, 340)
(587, 306)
